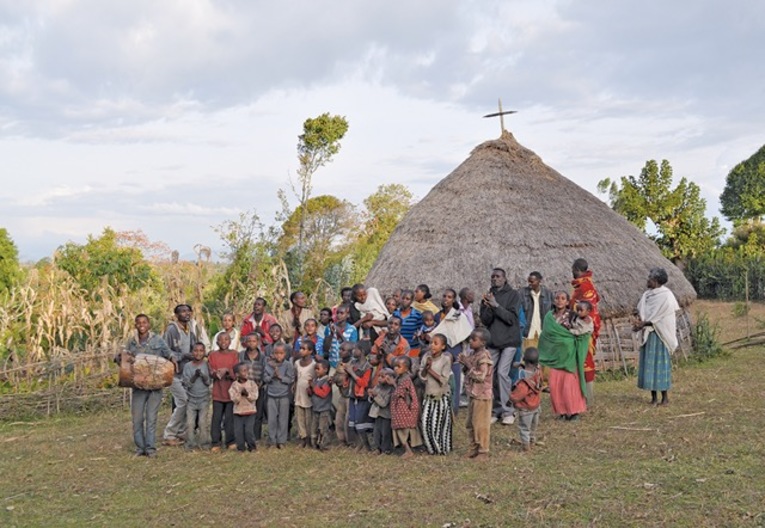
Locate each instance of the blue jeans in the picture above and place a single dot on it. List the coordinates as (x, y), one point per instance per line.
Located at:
(144, 408)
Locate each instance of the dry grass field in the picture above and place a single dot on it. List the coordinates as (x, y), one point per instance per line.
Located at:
(697, 462)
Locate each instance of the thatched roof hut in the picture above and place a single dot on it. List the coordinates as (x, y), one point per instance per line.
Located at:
(503, 207)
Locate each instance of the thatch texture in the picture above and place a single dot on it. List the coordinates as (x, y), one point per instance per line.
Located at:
(504, 207)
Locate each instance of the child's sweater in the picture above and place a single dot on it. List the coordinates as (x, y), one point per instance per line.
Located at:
(383, 394)
(197, 391)
(360, 385)
(321, 397)
(244, 405)
(279, 387)
(222, 360)
(525, 394)
(478, 375)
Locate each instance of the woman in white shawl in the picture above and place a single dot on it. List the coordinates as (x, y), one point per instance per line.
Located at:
(372, 311)
(454, 325)
(656, 325)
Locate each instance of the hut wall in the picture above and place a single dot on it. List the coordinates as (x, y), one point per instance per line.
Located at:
(618, 347)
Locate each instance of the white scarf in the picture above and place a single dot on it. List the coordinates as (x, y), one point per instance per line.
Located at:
(455, 326)
(658, 306)
(373, 305)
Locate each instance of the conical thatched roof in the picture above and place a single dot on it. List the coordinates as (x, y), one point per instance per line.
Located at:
(503, 207)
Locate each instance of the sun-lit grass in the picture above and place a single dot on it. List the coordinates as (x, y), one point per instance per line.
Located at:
(697, 462)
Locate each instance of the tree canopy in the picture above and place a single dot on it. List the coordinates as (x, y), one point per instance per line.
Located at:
(682, 229)
(10, 271)
(102, 259)
(744, 195)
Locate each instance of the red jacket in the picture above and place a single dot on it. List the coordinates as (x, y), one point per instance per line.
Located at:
(248, 326)
(525, 394)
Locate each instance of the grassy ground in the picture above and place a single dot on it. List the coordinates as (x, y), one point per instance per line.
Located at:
(696, 462)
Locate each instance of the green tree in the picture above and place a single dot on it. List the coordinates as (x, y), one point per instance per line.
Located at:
(327, 223)
(744, 195)
(678, 213)
(10, 271)
(384, 209)
(102, 259)
(317, 145)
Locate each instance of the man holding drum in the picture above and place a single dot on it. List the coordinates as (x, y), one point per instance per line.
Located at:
(145, 404)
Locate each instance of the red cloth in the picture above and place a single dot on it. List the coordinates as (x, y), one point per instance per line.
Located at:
(219, 360)
(248, 326)
(525, 394)
(404, 407)
(322, 391)
(566, 393)
(584, 290)
(361, 382)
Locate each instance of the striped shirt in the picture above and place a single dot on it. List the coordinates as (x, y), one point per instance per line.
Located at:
(410, 325)
(349, 334)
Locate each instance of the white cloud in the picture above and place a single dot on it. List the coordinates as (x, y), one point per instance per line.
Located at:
(177, 113)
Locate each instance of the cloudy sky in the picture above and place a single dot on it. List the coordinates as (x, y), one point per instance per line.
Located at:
(171, 116)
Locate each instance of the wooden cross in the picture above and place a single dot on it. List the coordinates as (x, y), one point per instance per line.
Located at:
(501, 115)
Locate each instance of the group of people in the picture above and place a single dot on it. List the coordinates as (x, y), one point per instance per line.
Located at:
(381, 373)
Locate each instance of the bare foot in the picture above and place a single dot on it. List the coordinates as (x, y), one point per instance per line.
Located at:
(407, 455)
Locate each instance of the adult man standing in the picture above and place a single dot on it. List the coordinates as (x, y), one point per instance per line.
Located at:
(180, 337)
(537, 301)
(499, 314)
(259, 321)
(584, 290)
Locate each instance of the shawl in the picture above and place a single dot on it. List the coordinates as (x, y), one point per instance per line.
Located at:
(425, 306)
(584, 290)
(562, 350)
(373, 305)
(658, 306)
(455, 326)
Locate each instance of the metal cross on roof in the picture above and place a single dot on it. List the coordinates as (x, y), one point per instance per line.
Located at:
(501, 114)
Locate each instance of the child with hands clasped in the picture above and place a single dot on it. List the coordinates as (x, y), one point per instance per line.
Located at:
(380, 396)
(525, 398)
(478, 369)
(278, 377)
(404, 408)
(304, 373)
(342, 383)
(244, 393)
(221, 363)
(436, 420)
(196, 380)
(360, 373)
(320, 390)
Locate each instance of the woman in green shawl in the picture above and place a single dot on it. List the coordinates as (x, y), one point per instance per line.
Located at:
(564, 353)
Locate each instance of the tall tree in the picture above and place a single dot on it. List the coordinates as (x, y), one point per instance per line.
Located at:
(744, 195)
(10, 271)
(682, 229)
(327, 223)
(317, 145)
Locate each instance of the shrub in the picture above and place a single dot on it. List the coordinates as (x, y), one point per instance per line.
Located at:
(704, 336)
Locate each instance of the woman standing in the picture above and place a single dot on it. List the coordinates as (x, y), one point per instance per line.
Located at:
(656, 324)
(453, 324)
(564, 353)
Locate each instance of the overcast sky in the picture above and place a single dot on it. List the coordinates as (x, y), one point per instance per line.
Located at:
(173, 116)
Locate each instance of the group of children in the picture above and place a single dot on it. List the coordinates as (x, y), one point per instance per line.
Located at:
(379, 401)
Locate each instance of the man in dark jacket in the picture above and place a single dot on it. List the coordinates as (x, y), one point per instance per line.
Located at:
(537, 301)
(499, 314)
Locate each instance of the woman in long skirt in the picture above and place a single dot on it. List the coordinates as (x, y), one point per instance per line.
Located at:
(657, 320)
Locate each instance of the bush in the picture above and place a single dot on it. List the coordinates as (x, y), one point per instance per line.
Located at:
(705, 339)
